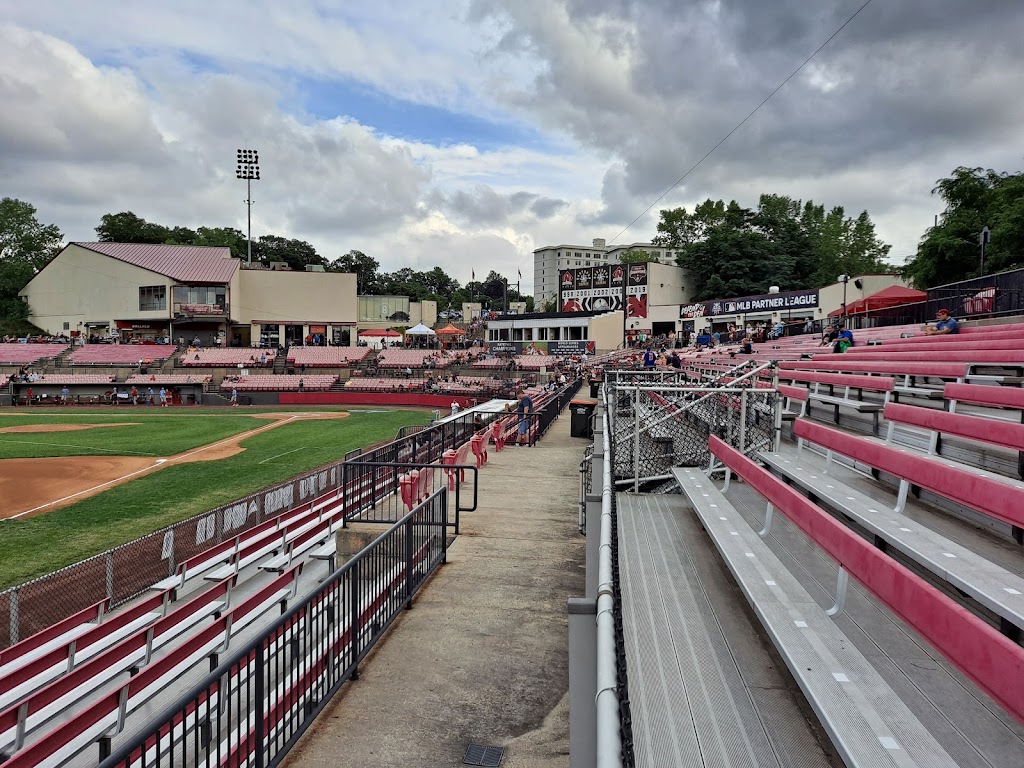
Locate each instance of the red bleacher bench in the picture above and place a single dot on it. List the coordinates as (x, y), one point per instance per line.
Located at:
(999, 499)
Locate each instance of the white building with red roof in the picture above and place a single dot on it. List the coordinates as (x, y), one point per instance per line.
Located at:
(136, 291)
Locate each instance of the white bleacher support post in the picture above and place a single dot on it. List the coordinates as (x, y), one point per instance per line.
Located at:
(901, 499)
(890, 431)
(769, 511)
(636, 439)
(828, 461)
(728, 477)
(743, 422)
(842, 580)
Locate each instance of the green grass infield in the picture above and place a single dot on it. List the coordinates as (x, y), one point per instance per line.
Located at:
(31, 547)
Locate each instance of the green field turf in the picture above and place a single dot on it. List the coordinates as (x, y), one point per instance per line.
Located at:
(154, 433)
(34, 546)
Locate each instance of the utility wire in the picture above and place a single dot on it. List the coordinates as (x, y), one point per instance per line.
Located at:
(741, 123)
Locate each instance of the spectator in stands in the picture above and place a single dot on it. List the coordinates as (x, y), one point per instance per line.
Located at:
(944, 324)
(455, 407)
(649, 357)
(524, 410)
(829, 336)
(809, 325)
(844, 339)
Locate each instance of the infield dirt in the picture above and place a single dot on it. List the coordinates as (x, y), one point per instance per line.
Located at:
(35, 486)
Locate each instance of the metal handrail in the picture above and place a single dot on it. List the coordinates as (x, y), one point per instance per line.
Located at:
(609, 737)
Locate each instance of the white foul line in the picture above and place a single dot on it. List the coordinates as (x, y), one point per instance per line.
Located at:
(283, 454)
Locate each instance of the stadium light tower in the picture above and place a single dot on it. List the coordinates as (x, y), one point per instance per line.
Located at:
(248, 169)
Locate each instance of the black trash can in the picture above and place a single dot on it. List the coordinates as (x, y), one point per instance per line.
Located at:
(582, 411)
(595, 385)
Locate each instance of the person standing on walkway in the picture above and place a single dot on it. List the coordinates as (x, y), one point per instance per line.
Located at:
(525, 411)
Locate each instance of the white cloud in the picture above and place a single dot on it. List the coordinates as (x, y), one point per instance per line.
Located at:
(112, 106)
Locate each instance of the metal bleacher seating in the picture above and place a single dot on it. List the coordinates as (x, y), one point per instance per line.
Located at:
(119, 354)
(228, 357)
(311, 382)
(324, 357)
(74, 378)
(412, 358)
(166, 379)
(27, 354)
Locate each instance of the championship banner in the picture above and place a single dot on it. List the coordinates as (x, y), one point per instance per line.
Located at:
(766, 302)
(559, 347)
(591, 289)
(636, 290)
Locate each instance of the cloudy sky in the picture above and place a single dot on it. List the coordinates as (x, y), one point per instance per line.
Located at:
(466, 133)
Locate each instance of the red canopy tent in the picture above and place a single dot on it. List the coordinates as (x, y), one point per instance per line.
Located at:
(450, 330)
(893, 296)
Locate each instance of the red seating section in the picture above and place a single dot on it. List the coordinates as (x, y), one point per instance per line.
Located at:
(991, 660)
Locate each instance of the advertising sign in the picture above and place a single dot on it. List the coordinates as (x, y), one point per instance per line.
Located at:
(690, 311)
(766, 302)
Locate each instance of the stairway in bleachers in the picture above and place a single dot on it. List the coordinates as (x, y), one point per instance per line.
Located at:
(281, 361)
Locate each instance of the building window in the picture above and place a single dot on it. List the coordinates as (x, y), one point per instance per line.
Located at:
(152, 297)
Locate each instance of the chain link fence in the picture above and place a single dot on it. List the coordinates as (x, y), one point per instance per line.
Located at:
(656, 426)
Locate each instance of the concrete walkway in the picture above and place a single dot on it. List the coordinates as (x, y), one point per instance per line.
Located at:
(482, 657)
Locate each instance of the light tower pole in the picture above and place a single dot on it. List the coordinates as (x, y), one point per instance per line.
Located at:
(248, 169)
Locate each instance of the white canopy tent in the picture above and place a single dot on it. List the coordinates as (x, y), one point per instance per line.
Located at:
(419, 330)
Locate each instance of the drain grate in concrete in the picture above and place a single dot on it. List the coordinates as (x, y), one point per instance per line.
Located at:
(478, 754)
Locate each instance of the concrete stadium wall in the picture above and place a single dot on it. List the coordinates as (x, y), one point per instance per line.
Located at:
(375, 398)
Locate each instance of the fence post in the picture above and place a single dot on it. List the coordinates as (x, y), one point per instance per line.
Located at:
(259, 683)
(110, 573)
(14, 620)
(408, 564)
(353, 621)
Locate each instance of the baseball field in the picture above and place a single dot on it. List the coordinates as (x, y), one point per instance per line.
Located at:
(76, 482)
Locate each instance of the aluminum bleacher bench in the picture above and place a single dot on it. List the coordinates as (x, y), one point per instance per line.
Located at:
(989, 659)
(858, 710)
(107, 716)
(17, 681)
(792, 395)
(304, 541)
(54, 636)
(32, 713)
(995, 496)
(905, 373)
(997, 589)
(848, 382)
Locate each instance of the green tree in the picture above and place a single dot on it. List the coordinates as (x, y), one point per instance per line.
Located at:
(126, 227)
(364, 267)
(974, 198)
(23, 238)
(297, 254)
(636, 256)
(224, 237)
(26, 245)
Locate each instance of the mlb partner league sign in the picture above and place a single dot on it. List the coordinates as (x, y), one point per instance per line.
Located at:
(766, 302)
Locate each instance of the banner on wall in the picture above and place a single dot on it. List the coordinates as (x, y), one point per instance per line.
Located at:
(559, 347)
(588, 289)
(636, 290)
(766, 302)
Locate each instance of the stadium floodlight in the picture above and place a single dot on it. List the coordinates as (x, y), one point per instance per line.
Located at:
(248, 169)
